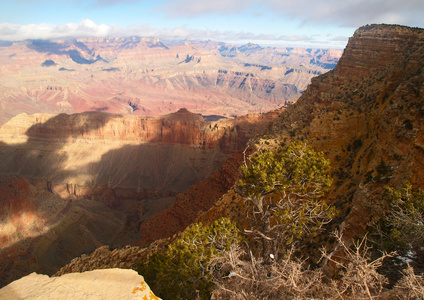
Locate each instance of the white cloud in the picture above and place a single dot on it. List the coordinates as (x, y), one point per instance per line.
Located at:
(196, 7)
(350, 13)
(85, 28)
(88, 28)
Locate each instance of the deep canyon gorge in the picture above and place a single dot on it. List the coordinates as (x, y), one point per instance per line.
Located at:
(111, 147)
(101, 136)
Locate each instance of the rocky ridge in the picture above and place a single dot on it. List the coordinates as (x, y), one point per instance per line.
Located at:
(86, 147)
(104, 258)
(366, 116)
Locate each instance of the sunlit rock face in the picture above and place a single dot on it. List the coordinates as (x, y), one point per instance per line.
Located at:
(146, 76)
(72, 183)
(97, 284)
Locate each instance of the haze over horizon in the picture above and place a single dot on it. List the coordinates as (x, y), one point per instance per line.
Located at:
(304, 23)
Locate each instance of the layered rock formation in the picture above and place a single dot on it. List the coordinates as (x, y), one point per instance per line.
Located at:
(366, 115)
(88, 148)
(71, 183)
(145, 76)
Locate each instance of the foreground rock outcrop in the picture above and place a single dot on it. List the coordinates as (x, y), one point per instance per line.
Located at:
(97, 284)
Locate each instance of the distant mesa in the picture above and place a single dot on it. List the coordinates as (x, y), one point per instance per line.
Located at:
(42, 46)
(250, 47)
(45, 46)
(48, 63)
(328, 66)
(232, 51)
(130, 43)
(157, 44)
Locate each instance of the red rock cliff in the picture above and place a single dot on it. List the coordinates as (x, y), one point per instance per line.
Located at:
(365, 113)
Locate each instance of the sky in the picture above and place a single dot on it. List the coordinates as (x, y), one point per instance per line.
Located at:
(288, 23)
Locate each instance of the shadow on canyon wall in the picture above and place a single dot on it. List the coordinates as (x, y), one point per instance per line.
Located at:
(58, 202)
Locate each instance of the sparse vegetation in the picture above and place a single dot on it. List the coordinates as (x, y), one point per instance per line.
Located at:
(408, 124)
(234, 272)
(284, 189)
(357, 143)
(182, 271)
(402, 228)
(372, 143)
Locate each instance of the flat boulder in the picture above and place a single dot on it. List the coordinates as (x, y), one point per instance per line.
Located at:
(97, 284)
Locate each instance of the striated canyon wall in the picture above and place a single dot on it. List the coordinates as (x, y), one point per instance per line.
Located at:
(71, 183)
(91, 149)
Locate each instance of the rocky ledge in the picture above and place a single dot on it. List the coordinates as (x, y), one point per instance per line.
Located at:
(97, 284)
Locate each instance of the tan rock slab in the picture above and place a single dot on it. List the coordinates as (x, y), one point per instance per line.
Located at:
(97, 284)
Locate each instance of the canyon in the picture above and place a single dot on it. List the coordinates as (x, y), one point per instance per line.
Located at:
(71, 183)
(366, 116)
(148, 76)
(101, 137)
